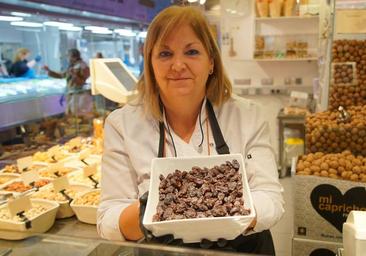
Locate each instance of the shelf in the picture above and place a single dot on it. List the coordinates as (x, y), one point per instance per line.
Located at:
(286, 60)
(272, 87)
(289, 18)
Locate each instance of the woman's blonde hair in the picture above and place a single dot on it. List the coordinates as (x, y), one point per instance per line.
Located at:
(218, 86)
(20, 53)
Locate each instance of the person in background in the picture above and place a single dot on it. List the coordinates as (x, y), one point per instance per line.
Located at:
(21, 67)
(76, 75)
(99, 55)
(185, 108)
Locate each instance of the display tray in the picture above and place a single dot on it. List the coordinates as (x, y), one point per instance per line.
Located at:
(14, 230)
(212, 228)
(85, 213)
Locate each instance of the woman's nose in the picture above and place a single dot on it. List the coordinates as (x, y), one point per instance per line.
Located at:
(178, 64)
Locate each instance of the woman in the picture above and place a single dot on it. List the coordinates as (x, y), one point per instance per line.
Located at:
(183, 74)
(21, 66)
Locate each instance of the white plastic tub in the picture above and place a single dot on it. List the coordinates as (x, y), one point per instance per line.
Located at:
(15, 230)
(194, 230)
(85, 213)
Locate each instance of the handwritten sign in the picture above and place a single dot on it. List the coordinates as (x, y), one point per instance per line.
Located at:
(90, 170)
(60, 183)
(19, 204)
(30, 176)
(24, 162)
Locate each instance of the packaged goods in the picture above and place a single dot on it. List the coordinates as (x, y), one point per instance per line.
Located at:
(288, 7)
(201, 193)
(348, 83)
(262, 8)
(275, 7)
(327, 132)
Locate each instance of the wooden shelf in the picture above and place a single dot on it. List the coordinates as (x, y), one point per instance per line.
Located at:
(286, 60)
(287, 18)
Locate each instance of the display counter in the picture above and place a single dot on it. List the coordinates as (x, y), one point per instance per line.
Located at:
(71, 237)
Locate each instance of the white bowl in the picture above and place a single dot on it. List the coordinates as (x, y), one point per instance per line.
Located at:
(85, 213)
(194, 230)
(14, 230)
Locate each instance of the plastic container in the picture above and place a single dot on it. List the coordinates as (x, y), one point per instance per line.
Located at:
(14, 230)
(85, 213)
(193, 230)
(354, 234)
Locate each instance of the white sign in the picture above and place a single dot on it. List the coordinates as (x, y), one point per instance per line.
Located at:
(84, 154)
(19, 204)
(60, 183)
(24, 162)
(30, 176)
(90, 170)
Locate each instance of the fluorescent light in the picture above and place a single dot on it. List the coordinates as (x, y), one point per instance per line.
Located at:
(71, 28)
(142, 34)
(233, 11)
(125, 32)
(10, 18)
(192, 1)
(26, 24)
(102, 31)
(202, 1)
(57, 24)
(94, 28)
(21, 14)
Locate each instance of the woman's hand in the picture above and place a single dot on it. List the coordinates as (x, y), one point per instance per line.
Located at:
(129, 222)
(46, 68)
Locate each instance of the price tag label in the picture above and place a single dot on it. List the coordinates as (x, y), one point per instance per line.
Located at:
(90, 170)
(75, 142)
(84, 154)
(60, 183)
(19, 204)
(53, 150)
(30, 176)
(24, 162)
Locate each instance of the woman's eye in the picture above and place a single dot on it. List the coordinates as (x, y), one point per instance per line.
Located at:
(192, 52)
(164, 54)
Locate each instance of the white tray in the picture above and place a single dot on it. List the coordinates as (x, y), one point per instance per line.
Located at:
(77, 178)
(194, 230)
(85, 213)
(12, 177)
(12, 230)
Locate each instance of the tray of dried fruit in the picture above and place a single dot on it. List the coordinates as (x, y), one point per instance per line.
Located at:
(77, 163)
(85, 206)
(54, 172)
(208, 193)
(5, 178)
(17, 186)
(12, 168)
(41, 215)
(64, 210)
(77, 177)
(56, 154)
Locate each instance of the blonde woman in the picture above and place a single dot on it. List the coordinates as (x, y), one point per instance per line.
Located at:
(21, 67)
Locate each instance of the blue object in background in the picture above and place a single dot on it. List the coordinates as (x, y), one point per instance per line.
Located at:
(38, 58)
(29, 74)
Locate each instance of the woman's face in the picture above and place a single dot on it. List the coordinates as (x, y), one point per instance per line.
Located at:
(181, 65)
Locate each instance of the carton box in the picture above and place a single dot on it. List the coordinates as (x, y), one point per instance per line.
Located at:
(323, 204)
(307, 247)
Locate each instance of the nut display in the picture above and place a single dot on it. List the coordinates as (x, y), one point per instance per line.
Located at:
(90, 198)
(78, 177)
(49, 194)
(49, 157)
(19, 186)
(4, 179)
(54, 173)
(325, 132)
(338, 166)
(36, 210)
(348, 85)
(201, 193)
(12, 168)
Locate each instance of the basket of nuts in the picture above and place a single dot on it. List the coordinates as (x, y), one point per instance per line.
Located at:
(209, 193)
(85, 206)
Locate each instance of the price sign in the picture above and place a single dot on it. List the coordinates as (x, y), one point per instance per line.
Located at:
(60, 183)
(30, 176)
(53, 150)
(19, 204)
(75, 142)
(90, 170)
(84, 154)
(24, 162)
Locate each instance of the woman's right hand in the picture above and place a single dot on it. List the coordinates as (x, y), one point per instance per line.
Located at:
(129, 222)
(46, 68)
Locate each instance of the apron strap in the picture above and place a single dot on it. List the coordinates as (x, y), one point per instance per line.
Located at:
(161, 139)
(221, 146)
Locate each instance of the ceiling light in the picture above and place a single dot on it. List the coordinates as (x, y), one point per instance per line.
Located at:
(57, 24)
(95, 28)
(102, 31)
(202, 1)
(192, 1)
(21, 14)
(26, 24)
(71, 28)
(10, 18)
(125, 32)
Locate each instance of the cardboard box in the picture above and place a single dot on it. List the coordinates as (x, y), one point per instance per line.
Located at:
(322, 206)
(307, 247)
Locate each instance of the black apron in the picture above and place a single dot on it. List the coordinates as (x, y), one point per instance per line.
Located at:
(259, 243)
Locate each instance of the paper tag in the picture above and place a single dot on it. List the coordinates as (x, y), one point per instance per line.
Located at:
(30, 176)
(84, 154)
(19, 204)
(24, 162)
(54, 150)
(75, 142)
(55, 167)
(90, 170)
(60, 183)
